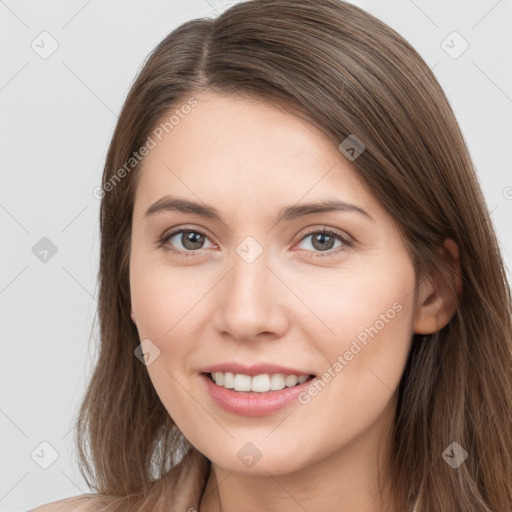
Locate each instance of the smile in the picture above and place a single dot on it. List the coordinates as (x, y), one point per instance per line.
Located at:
(258, 383)
(257, 395)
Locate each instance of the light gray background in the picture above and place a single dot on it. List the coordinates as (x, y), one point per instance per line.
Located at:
(58, 115)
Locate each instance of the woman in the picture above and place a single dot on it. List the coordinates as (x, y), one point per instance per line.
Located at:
(303, 304)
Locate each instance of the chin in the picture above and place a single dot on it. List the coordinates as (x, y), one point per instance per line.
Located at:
(248, 461)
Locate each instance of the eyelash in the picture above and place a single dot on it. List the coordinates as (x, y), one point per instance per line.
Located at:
(346, 243)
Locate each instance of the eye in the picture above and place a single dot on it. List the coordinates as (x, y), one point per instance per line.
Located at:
(191, 241)
(323, 241)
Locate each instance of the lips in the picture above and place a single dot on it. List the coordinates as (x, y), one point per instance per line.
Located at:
(253, 403)
(254, 390)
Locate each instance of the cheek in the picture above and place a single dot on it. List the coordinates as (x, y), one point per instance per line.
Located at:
(170, 311)
(163, 297)
(164, 306)
(376, 293)
(370, 319)
(153, 307)
(365, 359)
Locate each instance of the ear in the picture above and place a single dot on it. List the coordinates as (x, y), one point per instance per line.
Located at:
(132, 314)
(436, 301)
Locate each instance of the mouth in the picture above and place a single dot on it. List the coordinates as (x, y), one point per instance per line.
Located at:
(262, 383)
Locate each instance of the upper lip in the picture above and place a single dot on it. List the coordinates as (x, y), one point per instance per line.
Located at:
(256, 369)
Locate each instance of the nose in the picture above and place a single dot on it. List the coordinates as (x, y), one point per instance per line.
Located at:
(249, 302)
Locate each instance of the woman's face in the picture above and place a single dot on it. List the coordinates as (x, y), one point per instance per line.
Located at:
(255, 289)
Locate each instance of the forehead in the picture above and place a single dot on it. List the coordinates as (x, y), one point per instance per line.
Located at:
(234, 147)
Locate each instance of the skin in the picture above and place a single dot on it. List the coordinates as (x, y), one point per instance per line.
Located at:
(293, 305)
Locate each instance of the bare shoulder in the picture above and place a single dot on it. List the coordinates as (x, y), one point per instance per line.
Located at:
(83, 503)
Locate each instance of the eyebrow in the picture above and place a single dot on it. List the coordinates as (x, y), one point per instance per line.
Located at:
(168, 203)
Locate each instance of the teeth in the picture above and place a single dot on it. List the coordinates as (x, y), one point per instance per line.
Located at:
(277, 382)
(242, 382)
(259, 383)
(291, 380)
(229, 379)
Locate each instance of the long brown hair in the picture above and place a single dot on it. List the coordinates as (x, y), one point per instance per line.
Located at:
(348, 73)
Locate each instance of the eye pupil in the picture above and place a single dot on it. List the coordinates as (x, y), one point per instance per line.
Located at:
(322, 237)
(193, 238)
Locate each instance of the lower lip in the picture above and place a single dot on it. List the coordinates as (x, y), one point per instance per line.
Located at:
(253, 404)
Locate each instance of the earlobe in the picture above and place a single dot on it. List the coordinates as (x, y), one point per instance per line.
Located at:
(132, 314)
(437, 302)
